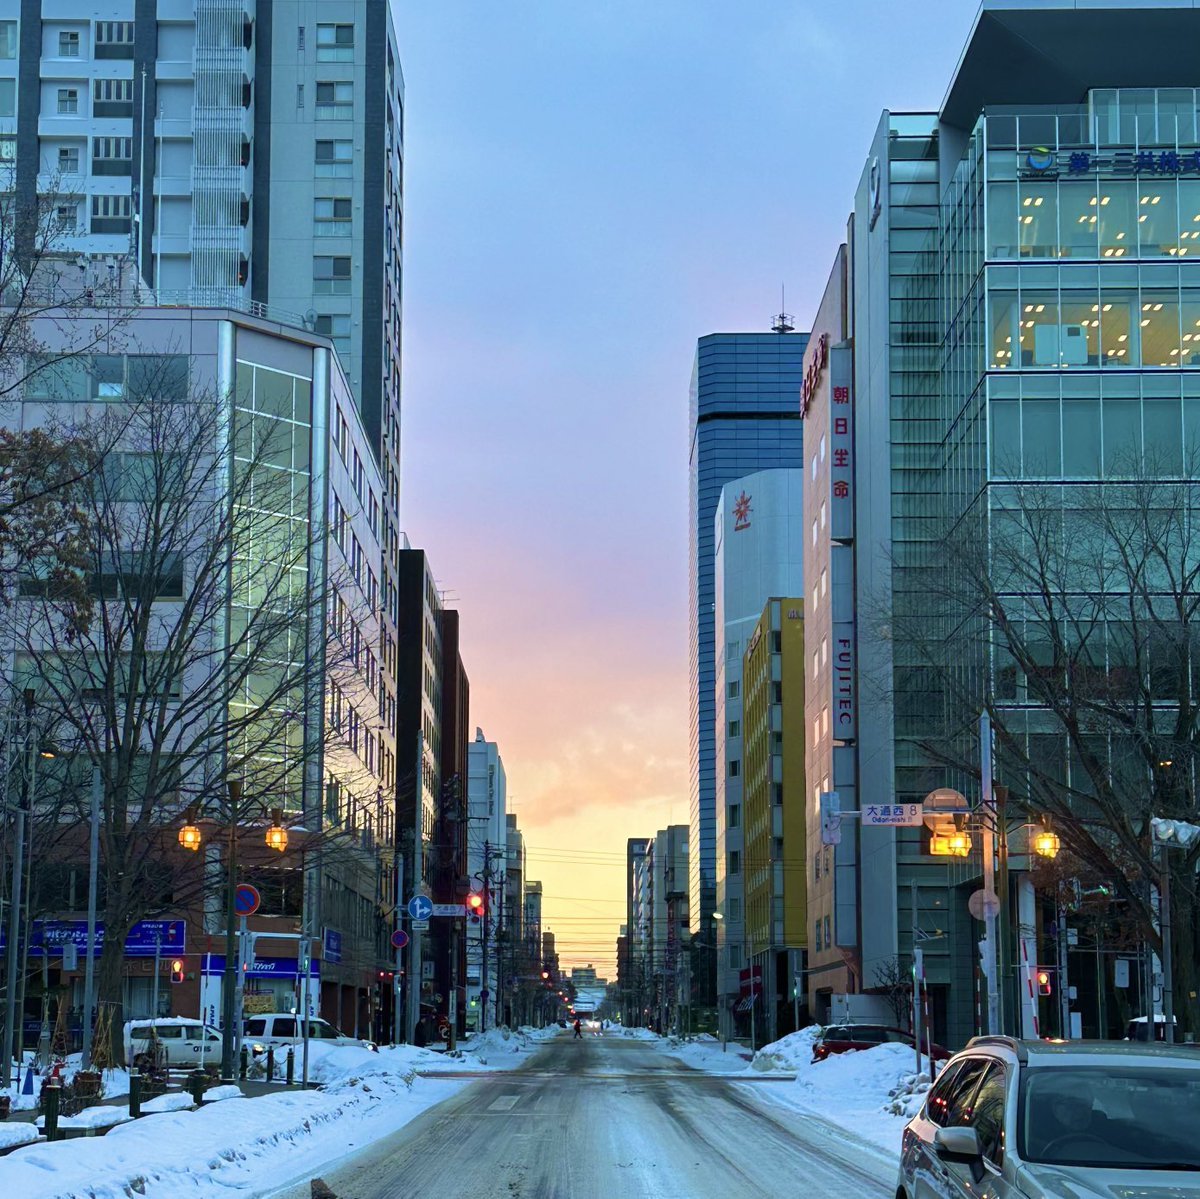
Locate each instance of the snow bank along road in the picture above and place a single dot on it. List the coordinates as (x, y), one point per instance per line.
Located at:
(610, 1118)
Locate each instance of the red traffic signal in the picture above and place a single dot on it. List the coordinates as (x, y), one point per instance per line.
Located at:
(476, 906)
(1043, 982)
(177, 970)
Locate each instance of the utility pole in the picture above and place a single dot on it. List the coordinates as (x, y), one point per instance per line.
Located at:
(918, 970)
(230, 981)
(500, 957)
(990, 966)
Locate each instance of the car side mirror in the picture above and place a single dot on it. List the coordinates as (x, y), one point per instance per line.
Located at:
(958, 1145)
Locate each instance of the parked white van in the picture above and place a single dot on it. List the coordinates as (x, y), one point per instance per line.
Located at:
(181, 1042)
(284, 1028)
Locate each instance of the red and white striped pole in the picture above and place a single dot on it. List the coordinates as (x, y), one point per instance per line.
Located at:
(1028, 971)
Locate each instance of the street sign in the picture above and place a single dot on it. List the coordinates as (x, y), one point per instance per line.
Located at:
(449, 909)
(831, 819)
(246, 899)
(896, 815)
(420, 907)
(419, 926)
(983, 904)
(399, 939)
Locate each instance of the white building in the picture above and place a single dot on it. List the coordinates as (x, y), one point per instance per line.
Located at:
(759, 545)
(487, 845)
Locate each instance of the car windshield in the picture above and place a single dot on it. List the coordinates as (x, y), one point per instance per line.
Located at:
(1111, 1117)
(318, 1029)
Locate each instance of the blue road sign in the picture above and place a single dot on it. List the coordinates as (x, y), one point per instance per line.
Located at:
(246, 900)
(420, 907)
(399, 939)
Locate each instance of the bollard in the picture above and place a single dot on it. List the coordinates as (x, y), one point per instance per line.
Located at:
(245, 1066)
(270, 1063)
(291, 1065)
(50, 1096)
(195, 1085)
(135, 1094)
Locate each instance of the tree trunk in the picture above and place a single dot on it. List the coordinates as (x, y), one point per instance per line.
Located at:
(110, 985)
(1185, 945)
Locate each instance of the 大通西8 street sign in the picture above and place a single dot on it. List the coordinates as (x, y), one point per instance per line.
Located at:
(893, 815)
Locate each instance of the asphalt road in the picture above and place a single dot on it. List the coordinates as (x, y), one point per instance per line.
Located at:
(609, 1118)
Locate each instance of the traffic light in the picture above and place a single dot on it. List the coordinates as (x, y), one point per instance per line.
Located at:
(1043, 982)
(177, 970)
(386, 976)
(476, 906)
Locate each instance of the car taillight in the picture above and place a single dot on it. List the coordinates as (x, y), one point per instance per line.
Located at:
(820, 1052)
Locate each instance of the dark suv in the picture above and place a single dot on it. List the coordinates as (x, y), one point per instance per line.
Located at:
(841, 1038)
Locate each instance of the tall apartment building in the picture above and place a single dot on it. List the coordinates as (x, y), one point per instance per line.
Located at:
(743, 418)
(1019, 305)
(239, 153)
(759, 539)
(775, 857)
(487, 845)
(637, 850)
(419, 746)
(667, 869)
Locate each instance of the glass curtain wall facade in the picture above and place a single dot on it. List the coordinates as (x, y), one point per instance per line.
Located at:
(745, 417)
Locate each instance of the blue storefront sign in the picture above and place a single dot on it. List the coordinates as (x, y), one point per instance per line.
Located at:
(333, 945)
(51, 935)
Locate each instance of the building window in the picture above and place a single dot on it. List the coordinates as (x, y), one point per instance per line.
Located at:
(735, 728)
(66, 217)
(299, 95)
(335, 101)
(8, 97)
(68, 160)
(68, 102)
(331, 276)
(733, 689)
(299, 37)
(334, 160)
(114, 39)
(112, 156)
(335, 43)
(735, 862)
(735, 909)
(735, 956)
(8, 39)
(335, 326)
(111, 214)
(817, 935)
(735, 815)
(331, 216)
(735, 768)
(68, 44)
(112, 98)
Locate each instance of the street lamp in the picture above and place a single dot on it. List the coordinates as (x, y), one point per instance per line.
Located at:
(1046, 842)
(277, 838)
(190, 836)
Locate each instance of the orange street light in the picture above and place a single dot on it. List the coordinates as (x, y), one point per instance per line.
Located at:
(277, 838)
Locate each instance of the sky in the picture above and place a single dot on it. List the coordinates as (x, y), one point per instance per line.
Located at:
(588, 189)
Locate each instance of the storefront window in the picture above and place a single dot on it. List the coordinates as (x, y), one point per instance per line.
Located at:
(1117, 203)
(1159, 324)
(1079, 216)
(1037, 220)
(1158, 217)
(1003, 324)
(1002, 220)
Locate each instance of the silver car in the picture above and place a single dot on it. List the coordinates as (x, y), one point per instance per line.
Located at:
(1011, 1119)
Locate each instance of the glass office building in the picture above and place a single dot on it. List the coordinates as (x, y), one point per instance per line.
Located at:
(1025, 306)
(745, 417)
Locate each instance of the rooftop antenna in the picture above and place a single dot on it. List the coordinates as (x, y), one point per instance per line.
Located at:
(782, 322)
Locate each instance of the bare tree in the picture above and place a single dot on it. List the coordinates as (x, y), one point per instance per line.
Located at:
(895, 987)
(204, 655)
(1073, 613)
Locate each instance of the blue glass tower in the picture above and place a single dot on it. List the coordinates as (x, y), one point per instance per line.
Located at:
(745, 417)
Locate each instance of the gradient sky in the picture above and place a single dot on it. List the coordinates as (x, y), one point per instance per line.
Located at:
(588, 189)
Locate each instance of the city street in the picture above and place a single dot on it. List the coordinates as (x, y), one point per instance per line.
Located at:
(608, 1117)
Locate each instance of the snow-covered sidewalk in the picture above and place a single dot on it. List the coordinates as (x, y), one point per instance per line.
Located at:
(262, 1143)
(871, 1094)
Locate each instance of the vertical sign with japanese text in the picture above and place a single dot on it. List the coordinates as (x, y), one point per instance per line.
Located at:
(841, 445)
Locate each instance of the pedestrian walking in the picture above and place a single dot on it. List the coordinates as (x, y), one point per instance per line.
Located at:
(578, 1029)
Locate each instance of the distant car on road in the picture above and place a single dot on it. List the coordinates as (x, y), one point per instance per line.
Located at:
(841, 1038)
(1013, 1119)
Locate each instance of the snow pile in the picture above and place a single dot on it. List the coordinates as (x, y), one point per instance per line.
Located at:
(789, 1053)
(907, 1096)
(235, 1146)
(541, 1034)
(640, 1034)
(497, 1043)
(17, 1134)
(173, 1101)
(103, 1116)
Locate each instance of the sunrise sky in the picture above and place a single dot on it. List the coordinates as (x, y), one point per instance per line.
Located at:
(588, 189)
